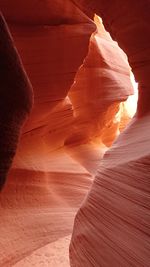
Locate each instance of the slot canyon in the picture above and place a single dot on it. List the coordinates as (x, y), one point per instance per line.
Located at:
(75, 133)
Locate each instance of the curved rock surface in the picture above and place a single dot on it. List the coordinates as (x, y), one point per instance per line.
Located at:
(101, 83)
(69, 129)
(112, 226)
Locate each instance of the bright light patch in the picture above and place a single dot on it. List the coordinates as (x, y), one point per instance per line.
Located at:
(131, 103)
(127, 108)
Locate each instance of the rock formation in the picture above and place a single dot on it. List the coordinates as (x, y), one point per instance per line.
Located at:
(101, 83)
(79, 77)
(112, 225)
(15, 100)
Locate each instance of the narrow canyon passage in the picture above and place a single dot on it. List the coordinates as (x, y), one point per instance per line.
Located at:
(84, 96)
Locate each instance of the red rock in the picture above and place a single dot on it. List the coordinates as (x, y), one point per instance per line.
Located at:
(101, 83)
(64, 139)
(112, 225)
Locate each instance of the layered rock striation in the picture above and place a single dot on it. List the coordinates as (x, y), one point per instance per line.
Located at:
(112, 226)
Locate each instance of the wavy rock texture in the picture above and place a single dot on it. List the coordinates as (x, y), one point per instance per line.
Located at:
(112, 226)
(64, 139)
(101, 83)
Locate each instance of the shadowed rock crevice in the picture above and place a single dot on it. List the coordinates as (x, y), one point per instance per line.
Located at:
(15, 99)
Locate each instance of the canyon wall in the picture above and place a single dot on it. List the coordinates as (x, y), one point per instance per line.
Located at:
(79, 77)
(112, 225)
